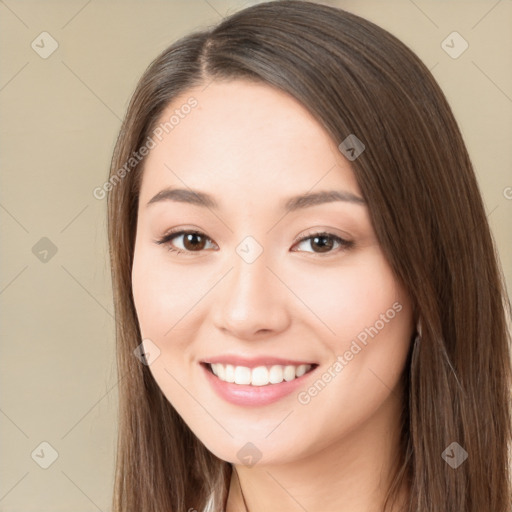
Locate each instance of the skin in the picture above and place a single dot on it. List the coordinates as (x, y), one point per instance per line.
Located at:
(252, 147)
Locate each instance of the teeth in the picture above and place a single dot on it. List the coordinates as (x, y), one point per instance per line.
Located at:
(301, 370)
(242, 375)
(230, 373)
(259, 376)
(289, 373)
(275, 375)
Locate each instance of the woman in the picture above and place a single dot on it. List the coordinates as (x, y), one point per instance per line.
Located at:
(303, 267)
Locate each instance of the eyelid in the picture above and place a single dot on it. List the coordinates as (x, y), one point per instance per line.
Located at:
(317, 231)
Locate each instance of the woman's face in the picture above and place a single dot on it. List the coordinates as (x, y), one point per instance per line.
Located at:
(269, 286)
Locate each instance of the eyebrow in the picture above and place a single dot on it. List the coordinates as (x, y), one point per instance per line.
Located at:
(294, 203)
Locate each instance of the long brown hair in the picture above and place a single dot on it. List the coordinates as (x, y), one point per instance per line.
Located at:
(427, 212)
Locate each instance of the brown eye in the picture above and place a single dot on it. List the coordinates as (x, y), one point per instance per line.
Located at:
(322, 243)
(192, 241)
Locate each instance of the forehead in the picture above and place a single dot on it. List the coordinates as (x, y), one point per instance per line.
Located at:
(244, 137)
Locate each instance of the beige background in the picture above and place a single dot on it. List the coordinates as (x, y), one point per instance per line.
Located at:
(59, 120)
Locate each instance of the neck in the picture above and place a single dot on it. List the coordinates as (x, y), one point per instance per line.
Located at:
(351, 476)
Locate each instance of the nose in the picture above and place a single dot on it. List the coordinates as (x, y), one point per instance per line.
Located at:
(251, 302)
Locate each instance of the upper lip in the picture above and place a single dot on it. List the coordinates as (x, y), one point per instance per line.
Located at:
(253, 362)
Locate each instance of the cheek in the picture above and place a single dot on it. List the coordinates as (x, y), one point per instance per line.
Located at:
(164, 303)
(147, 293)
(350, 298)
(162, 293)
(370, 321)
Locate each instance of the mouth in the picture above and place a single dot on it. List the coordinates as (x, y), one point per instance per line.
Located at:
(258, 376)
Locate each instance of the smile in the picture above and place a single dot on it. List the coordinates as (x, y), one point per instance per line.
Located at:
(259, 376)
(259, 385)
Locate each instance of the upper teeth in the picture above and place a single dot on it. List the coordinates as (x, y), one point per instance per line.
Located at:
(259, 376)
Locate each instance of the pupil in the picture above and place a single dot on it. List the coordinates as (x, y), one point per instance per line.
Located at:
(189, 239)
(323, 247)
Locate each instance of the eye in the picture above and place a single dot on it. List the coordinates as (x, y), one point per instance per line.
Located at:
(196, 241)
(193, 241)
(325, 242)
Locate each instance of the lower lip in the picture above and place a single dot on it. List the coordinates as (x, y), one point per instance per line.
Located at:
(247, 395)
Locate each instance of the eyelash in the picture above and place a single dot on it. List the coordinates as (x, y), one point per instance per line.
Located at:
(166, 239)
